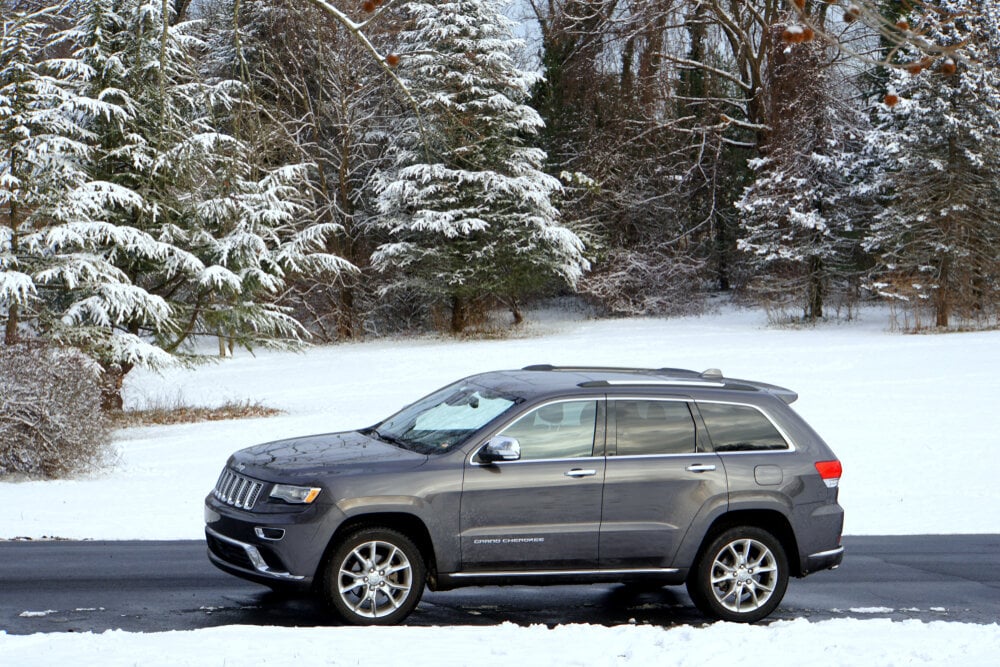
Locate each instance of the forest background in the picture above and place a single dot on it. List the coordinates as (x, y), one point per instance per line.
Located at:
(280, 171)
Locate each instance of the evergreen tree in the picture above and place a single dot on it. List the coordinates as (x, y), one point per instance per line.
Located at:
(207, 191)
(468, 208)
(166, 226)
(796, 216)
(936, 153)
(319, 98)
(55, 245)
(39, 150)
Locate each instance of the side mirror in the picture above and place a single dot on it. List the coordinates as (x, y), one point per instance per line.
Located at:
(500, 448)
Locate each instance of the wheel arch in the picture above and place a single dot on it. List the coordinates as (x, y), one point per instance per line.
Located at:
(772, 521)
(408, 524)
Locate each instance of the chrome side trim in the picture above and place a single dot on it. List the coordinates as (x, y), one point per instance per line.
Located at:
(572, 573)
(827, 554)
(661, 383)
(253, 554)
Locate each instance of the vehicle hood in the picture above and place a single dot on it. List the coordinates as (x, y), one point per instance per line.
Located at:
(321, 455)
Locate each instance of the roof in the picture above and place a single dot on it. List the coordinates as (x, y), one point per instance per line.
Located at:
(542, 379)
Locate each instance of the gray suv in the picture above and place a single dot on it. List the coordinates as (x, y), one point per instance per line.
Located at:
(544, 475)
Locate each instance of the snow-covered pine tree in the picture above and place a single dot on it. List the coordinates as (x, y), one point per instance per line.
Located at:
(39, 148)
(796, 216)
(209, 236)
(936, 146)
(319, 98)
(53, 240)
(468, 209)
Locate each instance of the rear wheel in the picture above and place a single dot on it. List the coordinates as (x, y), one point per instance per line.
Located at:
(741, 576)
(375, 577)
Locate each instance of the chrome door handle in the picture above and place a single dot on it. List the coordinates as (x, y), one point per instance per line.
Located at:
(577, 472)
(701, 467)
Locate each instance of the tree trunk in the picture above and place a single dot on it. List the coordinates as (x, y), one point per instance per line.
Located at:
(111, 389)
(458, 315)
(515, 310)
(942, 296)
(346, 314)
(13, 315)
(10, 331)
(814, 306)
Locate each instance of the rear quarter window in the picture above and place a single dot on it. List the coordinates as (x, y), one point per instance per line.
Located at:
(740, 428)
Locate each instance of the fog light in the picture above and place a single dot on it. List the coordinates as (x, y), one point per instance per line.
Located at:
(273, 534)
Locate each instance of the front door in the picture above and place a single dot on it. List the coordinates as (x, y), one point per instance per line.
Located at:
(542, 512)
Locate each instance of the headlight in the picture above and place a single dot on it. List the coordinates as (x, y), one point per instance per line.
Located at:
(298, 495)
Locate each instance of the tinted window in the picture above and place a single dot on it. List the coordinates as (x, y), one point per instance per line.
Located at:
(654, 427)
(556, 431)
(739, 428)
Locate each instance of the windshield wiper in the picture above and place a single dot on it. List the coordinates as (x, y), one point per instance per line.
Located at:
(391, 439)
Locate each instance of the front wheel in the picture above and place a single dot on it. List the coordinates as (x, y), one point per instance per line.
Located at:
(375, 577)
(741, 576)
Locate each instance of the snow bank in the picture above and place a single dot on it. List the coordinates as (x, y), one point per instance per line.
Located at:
(848, 642)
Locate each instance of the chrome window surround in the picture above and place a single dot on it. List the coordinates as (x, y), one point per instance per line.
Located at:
(630, 397)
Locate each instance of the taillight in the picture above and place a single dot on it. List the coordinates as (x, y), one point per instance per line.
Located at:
(830, 472)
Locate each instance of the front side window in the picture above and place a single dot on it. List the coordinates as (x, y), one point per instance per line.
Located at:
(654, 427)
(556, 430)
(740, 428)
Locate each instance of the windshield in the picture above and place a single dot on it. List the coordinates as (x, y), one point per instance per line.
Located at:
(445, 418)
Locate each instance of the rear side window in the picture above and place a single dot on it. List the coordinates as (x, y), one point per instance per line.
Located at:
(740, 428)
(654, 427)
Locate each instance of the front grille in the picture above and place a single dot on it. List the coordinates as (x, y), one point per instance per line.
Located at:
(236, 490)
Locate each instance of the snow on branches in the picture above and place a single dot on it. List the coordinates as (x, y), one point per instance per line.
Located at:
(468, 208)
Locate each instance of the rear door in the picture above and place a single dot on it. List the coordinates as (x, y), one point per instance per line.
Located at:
(542, 512)
(658, 477)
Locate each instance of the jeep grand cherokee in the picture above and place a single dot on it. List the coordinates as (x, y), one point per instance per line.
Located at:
(545, 475)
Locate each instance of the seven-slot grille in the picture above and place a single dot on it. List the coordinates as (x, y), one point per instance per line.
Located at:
(237, 490)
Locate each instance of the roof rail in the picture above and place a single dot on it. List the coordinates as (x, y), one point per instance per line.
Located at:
(667, 377)
(677, 382)
(681, 372)
(614, 369)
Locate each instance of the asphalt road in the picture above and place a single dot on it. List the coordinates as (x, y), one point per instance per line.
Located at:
(154, 586)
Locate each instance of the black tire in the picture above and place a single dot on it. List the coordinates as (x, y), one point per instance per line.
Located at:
(750, 572)
(375, 576)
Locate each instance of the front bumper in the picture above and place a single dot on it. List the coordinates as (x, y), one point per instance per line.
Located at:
(246, 560)
(279, 550)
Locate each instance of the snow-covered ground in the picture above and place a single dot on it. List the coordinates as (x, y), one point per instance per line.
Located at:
(847, 642)
(913, 418)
